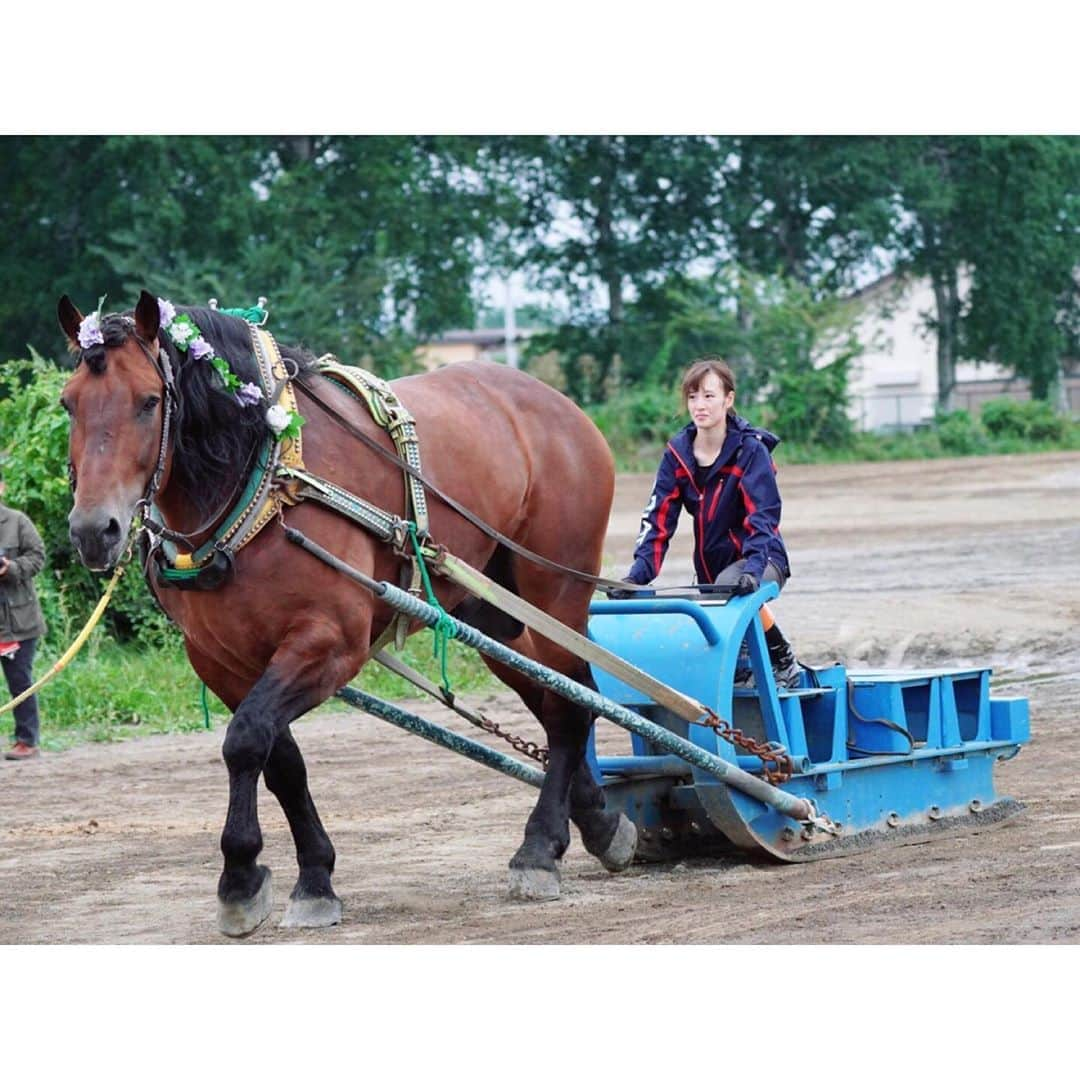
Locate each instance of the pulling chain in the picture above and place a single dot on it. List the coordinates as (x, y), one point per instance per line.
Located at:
(769, 753)
(522, 746)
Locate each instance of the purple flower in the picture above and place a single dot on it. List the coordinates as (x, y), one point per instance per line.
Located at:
(200, 348)
(249, 394)
(167, 311)
(90, 331)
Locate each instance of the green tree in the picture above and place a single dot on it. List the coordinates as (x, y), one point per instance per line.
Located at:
(1023, 241)
(930, 174)
(598, 219)
(361, 243)
(1003, 211)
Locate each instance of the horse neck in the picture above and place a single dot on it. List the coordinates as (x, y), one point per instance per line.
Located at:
(181, 515)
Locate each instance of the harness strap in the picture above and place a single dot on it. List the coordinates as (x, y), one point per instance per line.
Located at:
(262, 498)
(390, 414)
(468, 515)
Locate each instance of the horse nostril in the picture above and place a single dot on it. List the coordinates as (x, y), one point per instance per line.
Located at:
(112, 531)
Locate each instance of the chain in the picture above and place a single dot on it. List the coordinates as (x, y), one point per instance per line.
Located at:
(522, 746)
(769, 753)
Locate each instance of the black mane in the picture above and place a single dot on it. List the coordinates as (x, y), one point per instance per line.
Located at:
(215, 438)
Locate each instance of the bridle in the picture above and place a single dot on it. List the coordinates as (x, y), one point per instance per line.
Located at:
(162, 364)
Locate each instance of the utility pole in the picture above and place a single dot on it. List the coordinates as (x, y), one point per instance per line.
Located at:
(510, 327)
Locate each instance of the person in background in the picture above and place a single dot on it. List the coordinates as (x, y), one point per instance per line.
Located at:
(22, 555)
(720, 468)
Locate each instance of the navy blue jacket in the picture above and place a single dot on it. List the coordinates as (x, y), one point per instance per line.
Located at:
(736, 509)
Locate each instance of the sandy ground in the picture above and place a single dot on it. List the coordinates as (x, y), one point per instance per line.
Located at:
(910, 563)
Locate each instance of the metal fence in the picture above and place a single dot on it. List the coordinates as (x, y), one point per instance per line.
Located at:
(909, 411)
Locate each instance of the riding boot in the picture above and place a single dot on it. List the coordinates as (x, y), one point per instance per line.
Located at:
(786, 668)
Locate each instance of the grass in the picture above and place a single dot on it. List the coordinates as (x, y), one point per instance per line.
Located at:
(112, 692)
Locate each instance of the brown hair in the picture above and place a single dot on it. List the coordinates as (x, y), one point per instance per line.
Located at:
(703, 366)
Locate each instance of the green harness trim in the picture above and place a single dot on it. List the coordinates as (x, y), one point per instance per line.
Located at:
(199, 557)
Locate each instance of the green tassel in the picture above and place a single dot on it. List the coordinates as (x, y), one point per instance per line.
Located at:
(257, 315)
(442, 629)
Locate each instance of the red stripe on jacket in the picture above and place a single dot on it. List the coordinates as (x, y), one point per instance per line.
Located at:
(661, 538)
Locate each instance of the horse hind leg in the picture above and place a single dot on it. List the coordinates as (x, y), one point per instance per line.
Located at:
(608, 835)
(312, 903)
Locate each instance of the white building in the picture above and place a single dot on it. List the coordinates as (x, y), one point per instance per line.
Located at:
(894, 383)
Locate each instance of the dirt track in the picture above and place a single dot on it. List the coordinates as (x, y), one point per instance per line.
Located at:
(909, 563)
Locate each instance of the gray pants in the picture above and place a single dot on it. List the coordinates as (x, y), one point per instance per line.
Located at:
(18, 670)
(730, 574)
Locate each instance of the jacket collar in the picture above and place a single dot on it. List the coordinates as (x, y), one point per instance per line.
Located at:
(738, 430)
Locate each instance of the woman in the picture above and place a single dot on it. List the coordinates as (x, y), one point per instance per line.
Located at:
(720, 468)
(22, 555)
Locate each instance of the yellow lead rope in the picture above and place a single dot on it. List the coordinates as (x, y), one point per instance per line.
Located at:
(75, 646)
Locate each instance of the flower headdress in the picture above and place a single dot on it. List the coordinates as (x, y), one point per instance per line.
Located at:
(187, 337)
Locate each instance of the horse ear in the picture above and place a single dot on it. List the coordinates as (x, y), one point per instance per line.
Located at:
(147, 317)
(70, 319)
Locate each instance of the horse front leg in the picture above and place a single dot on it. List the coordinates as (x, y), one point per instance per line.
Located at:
(244, 894)
(312, 902)
(297, 680)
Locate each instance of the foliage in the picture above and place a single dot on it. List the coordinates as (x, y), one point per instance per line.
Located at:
(596, 217)
(1004, 211)
(1034, 420)
(641, 418)
(357, 242)
(651, 249)
(960, 433)
(1023, 205)
(813, 209)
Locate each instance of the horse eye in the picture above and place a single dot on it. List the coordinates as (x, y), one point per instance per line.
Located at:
(150, 404)
(66, 406)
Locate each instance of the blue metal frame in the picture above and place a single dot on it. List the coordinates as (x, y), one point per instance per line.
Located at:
(878, 750)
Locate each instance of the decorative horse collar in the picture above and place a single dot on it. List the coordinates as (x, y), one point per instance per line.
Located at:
(209, 565)
(279, 479)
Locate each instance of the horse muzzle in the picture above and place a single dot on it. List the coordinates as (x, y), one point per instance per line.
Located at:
(98, 536)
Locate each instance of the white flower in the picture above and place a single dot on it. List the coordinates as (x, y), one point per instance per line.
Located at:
(278, 418)
(167, 312)
(180, 332)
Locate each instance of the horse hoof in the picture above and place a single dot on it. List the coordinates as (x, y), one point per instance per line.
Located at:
(238, 918)
(620, 852)
(312, 913)
(534, 883)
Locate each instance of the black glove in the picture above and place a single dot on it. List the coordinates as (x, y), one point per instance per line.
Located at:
(622, 594)
(746, 584)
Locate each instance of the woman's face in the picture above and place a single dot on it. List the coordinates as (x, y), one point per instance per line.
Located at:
(708, 404)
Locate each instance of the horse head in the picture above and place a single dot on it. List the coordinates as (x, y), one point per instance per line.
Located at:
(117, 400)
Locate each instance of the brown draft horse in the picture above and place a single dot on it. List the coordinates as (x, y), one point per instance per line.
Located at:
(287, 631)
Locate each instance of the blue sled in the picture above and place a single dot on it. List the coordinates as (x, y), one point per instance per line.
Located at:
(885, 754)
